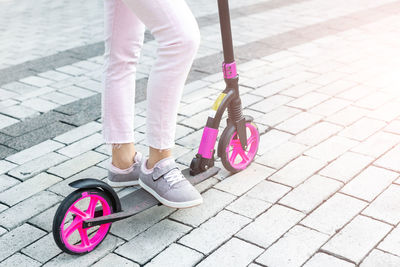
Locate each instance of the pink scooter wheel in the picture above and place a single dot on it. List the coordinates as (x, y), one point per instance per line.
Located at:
(233, 157)
(81, 205)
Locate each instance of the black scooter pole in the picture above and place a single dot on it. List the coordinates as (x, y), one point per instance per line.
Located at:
(226, 33)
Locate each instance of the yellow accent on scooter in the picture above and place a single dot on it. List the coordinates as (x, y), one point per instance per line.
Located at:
(218, 101)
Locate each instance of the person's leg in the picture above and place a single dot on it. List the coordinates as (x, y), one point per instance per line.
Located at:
(124, 36)
(175, 29)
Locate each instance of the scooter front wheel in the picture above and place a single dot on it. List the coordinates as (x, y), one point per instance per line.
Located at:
(233, 157)
(78, 206)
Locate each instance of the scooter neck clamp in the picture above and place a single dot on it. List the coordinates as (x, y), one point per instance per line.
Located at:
(229, 70)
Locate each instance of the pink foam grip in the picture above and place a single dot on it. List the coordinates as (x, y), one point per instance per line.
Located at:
(207, 143)
(229, 70)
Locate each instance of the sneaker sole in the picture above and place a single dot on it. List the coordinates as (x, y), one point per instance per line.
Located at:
(171, 204)
(122, 184)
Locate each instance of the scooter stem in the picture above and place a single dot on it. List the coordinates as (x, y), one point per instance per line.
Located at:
(226, 33)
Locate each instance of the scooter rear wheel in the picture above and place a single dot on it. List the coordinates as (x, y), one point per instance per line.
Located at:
(233, 157)
(80, 205)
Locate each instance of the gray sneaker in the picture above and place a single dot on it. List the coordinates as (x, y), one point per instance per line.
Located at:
(167, 184)
(126, 179)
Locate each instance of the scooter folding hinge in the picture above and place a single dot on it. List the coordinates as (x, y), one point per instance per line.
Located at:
(229, 70)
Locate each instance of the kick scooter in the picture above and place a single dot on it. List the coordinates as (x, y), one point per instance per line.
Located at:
(83, 219)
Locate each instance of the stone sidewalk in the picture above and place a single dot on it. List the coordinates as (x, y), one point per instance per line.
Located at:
(319, 77)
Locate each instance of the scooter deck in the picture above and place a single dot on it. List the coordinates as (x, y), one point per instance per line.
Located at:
(141, 200)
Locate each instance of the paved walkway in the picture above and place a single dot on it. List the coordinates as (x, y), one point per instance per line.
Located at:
(321, 79)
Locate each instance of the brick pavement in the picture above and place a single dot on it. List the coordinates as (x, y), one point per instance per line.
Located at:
(319, 77)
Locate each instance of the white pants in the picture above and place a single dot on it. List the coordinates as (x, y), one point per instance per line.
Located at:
(177, 33)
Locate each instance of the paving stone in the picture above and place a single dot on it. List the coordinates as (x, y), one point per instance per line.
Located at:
(269, 226)
(7, 121)
(391, 242)
(333, 214)
(393, 127)
(346, 166)
(278, 115)
(235, 252)
(37, 136)
(294, 248)
(5, 166)
(240, 182)
(190, 141)
(37, 165)
(322, 259)
(6, 94)
(59, 98)
(190, 110)
(9, 244)
(138, 223)
(7, 182)
(357, 238)
(374, 100)
(91, 85)
(18, 87)
(271, 139)
(2, 231)
(311, 193)
(114, 259)
(387, 112)
(347, 116)
(213, 202)
(330, 107)
(19, 112)
(42, 250)
(308, 100)
(36, 81)
(271, 103)
(23, 211)
(298, 122)
(86, 144)
(380, 258)
(44, 220)
(390, 159)
(36, 94)
(108, 245)
(34, 152)
(148, 244)
(79, 132)
(28, 188)
(357, 92)
(176, 255)
(54, 75)
(331, 148)
(19, 259)
(196, 121)
(386, 207)
(281, 155)
(370, 183)
(32, 124)
(76, 91)
(268, 191)
(362, 129)
(377, 144)
(248, 206)
(63, 189)
(297, 171)
(316, 133)
(214, 232)
(39, 104)
(77, 164)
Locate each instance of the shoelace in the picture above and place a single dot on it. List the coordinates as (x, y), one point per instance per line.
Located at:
(174, 176)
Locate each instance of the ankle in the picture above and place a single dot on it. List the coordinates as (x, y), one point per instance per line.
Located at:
(123, 155)
(155, 155)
